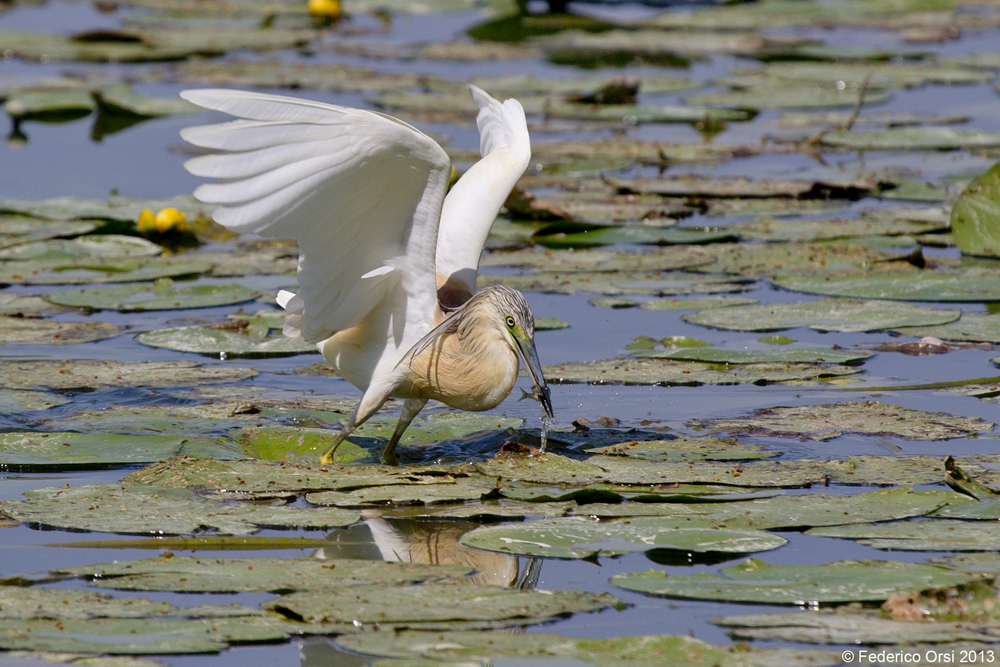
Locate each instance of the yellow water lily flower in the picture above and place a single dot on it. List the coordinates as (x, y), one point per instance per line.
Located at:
(324, 8)
(166, 220)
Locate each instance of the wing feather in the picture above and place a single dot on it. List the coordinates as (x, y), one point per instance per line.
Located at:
(474, 202)
(359, 191)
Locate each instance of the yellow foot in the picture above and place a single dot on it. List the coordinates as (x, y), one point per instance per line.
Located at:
(389, 458)
(326, 459)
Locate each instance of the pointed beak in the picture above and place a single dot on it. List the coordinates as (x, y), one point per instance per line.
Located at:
(528, 353)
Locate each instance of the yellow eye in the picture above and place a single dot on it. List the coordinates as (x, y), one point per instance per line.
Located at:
(510, 321)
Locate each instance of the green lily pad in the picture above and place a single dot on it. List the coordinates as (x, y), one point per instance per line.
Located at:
(99, 270)
(668, 372)
(84, 247)
(823, 315)
(674, 342)
(775, 339)
(429, 603)
(715, 355)
(13, 400)
(974, 327)
(576, 235)
(23, 331)
(18, 229)
(973, 287)
(739, 187)
(32, 450)
(576, 537)
(757, 582)
(685, 449)
(52, 106)
(789, 511)
(699, 304)
(36, 602)
(814, 258)
(923, 191)
(246, 575)
(122, 99)
(494, 510)
(787, 96)
(598, 207)
(820, 422)
(620, 282)
(139, 510)
(930, 535)
(549, 324)
(97, 374)
(975, 216)
(414, 648)
(163, 295)
(216, 342)
(595, 260)
(912, 138)
(118, 208)
(985, 510)
(210, 543)
(776, 229)
(458, 490)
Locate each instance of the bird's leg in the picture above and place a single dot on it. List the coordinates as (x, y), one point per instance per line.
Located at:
(367, 406)
(411, 407)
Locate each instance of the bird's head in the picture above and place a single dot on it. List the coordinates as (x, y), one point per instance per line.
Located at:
(511, 316)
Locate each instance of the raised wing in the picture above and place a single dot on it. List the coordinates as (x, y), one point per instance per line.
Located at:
(359, 191)
(473, 203)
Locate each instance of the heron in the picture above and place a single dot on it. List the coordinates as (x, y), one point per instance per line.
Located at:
(388, 255)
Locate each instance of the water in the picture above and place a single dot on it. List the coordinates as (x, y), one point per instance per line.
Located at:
(144, 160)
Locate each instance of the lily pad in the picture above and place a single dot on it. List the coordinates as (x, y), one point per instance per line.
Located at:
(685, 449)
(741, 187)
(67, 375)
(823, 315)
(462, 489)
(912, 138)
(974, 287)
(772, 229)
(787, 96)
(715, 355)
(430, 603)
(163, 295)
(699, 304)
(668, 372)
(547, 649)
(813, 258)
(122, 99)
(791, 511)
(246, 575)
(549, 324)
(118, 208)
(757, 582)
(818, 422)
(18, 229)
(52, 106)
(209, 543)
(99, 270)
(576, 537)
(141, 510)
(617, 282)
(975, 216)
(84, 247)
(567, 261)
(13, 400)
(216, 342)
(576, 235)
(32, 450)
(929, 535)
(23, 331)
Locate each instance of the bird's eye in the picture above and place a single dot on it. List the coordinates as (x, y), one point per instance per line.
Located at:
(510, 321)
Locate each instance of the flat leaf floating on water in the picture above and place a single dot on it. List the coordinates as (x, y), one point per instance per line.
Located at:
(61, 451)
(724, 187)
(929, 535)
(974, 327)
(685, 449)
(601, 261)
(790, 511)
(579, 235)
(216, 342)
(144, 510)
(786, 96)
(670, 372)
(809, 231)
(577, 537)
(618, 282)
(693, 304)
(118, 208)
(17, 229)
(417, 648)
(100, 270)
(948, 287)
(845, 315)
(975, 216)
(24, 331)
(164, 295)
(769, 259)
(193, 574)
(75, 375)
(912, 138)
(93, 246)
(429, 604)
(820, 422)
(757, 582)
(717, 355)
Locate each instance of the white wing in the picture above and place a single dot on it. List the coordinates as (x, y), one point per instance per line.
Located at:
(473, 203)
(361, 193)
